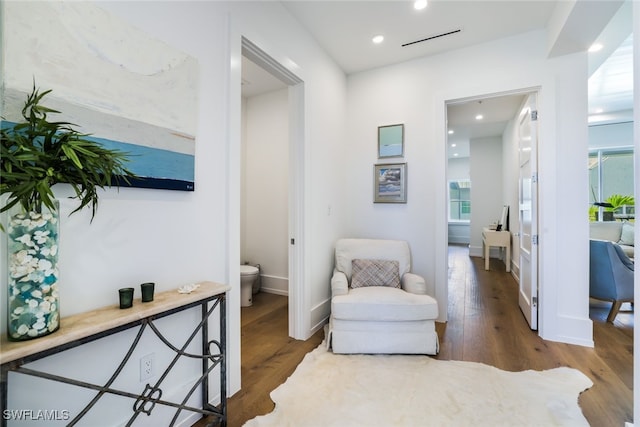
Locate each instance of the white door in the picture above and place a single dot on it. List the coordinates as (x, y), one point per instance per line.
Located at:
(528, 294)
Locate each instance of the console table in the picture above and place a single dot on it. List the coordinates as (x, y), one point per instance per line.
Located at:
(496, 238)
(86, 327)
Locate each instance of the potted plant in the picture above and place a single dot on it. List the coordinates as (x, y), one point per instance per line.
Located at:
(35, 155)
(616, 204)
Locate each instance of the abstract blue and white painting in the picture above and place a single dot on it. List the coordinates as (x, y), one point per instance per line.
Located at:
(127, 89)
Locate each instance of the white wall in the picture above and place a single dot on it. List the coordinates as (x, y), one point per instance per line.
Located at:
(486, 193)
(458, 168)
(141, 235)
(173, 237)
(265, 188)
(415, 93)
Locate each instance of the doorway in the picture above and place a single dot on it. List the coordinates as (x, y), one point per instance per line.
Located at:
(483, 164)
(295, 196)
(264, 222)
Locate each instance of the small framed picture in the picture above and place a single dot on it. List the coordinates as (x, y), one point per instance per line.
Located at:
(390, 183)
(390, 141)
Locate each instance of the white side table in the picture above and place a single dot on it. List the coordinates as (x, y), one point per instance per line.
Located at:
(496, 238)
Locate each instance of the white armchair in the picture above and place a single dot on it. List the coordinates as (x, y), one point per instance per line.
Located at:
(369, 314)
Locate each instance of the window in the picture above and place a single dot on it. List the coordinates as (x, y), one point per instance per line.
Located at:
(610, 173)
(460, 200)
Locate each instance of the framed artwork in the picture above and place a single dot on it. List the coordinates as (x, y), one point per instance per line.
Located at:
(139, 97)
(390, 183)
(390, 141)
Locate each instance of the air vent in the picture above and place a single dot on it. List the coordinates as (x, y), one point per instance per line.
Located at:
(435, 36)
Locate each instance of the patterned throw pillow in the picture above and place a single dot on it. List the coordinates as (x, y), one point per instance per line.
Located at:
(375, 272)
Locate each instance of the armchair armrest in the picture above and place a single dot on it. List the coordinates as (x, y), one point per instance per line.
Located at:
(339, 283)
(414, 284)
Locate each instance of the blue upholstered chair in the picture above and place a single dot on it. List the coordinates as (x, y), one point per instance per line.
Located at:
(610, 275)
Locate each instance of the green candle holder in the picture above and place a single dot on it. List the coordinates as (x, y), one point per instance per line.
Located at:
(126, 297)
(147, 291)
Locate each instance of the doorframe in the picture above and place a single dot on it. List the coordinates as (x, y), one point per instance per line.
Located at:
(296, 293)
(442, 256)
(299, 311)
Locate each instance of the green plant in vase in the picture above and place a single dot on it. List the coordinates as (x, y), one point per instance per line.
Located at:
(35, 155)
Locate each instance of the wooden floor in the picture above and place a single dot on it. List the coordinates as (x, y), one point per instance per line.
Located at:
(485, 325)
(269, 357)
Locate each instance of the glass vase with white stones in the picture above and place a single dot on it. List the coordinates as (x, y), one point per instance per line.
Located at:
(33, 301)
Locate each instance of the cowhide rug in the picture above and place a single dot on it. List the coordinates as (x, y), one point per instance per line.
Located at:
(395, 390)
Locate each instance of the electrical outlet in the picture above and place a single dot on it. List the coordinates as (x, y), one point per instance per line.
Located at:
(146, 366)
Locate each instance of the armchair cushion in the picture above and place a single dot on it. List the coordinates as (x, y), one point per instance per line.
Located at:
(374, 272)
(415, 284)
(339, 283)
(383, 304)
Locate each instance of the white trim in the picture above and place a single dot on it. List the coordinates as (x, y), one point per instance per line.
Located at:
(261, 58)
(299, 310)
(232, 122)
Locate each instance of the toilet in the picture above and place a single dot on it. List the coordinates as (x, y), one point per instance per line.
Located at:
(248, 279)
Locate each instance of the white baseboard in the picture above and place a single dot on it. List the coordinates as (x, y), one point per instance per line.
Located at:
(274, 284)
(320, 315)
(475, 251)
(274, 291)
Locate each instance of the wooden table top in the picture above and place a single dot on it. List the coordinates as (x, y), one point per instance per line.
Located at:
(82, 325)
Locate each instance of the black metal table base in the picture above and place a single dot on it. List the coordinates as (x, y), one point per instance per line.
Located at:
(212, 356)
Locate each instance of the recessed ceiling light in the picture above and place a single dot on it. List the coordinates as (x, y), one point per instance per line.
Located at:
(455, 154)
(595, 47)
(378, 39)
(450, 131)
(419, 4)
(454, 145)
(479, 117)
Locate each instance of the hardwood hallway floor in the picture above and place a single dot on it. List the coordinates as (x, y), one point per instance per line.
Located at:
(485, 325)
(269, 356)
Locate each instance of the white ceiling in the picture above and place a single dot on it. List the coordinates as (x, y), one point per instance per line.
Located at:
(461, 120)
(344, 30)
(611, 87)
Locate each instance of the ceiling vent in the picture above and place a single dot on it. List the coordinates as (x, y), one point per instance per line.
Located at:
(435, 36)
